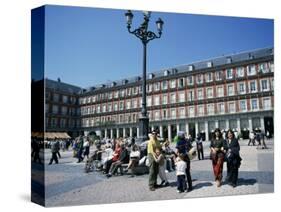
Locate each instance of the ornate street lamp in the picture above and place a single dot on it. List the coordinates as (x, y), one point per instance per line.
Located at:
(145, 36)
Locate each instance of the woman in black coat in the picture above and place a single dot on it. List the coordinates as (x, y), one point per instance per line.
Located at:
(233, 158)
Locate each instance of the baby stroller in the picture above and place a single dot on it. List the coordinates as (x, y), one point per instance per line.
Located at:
(94, 162)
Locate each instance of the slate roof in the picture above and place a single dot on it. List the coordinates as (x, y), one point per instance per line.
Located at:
(61, 86)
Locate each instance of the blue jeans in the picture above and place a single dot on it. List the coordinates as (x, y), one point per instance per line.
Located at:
(181, 182)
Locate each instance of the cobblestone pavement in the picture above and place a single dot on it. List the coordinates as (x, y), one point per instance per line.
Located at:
(67, 184)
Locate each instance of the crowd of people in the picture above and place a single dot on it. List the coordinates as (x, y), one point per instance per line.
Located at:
(119, 156)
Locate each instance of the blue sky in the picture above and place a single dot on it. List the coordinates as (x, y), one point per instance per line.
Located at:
(90, 46)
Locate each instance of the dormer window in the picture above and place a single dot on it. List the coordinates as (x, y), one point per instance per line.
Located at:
(174, 71)
(190, 67)
(113, 84)
(151, 76)
(209, 64)
(125, 81)
(228, 60)
(166, 73)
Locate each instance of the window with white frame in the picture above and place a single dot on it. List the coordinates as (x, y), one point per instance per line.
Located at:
(200, 110)
(220, 107)
(135, 90)
(210, 92)
(266, 102)
(149, 88)
(164, 114)
(121, 105)
(240, 72)
(109, 107)
(190, 80)
(182, 96)
(149, 101)
(98, 108)
(181, 83)
(200, 94)
(164, 85)
(190, 95)
(64, 110)
(229, 73)
(63, 122)
(55, 109)
(128, 104)
(191, 111)
(173, 98)
(241, 88)
(56, 98)
(135, 103)
(104, 108)
(129, 91)
(199, 78)
(65, 99)
(209, 77)
(251, 70)
(93, 109)
(253, 87)
(172, 83)
(182, 112)
(210, 109)
(271, 66)
(220, 92)
(272, 84)
(219, 75)
(88, 99)
(263, 68)
(231, 107)
(115, 106)
(110, 95)
(93, 98)
(46, 108)
(254, 104)
(264, 85)
(230, 90)
(116, 94)
(164, 99)
(156, 100)
(156, 86)
(173, 113)
(156, 115)
(122, 92)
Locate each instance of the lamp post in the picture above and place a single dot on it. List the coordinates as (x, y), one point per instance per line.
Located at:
(145, 36)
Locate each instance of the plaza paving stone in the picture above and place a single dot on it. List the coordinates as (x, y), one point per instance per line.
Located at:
(67, 184)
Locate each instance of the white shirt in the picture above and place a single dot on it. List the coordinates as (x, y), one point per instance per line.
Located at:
(181, 167)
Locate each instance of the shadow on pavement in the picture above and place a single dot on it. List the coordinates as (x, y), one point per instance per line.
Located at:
(242, 181)
(201, 185)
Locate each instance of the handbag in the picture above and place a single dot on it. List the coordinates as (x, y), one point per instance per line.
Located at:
(192, 153)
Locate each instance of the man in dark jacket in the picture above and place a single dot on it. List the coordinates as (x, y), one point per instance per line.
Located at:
(123, 158)
(199, 145)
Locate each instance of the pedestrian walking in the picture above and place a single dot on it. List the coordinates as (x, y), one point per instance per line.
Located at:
(80, 143)
(199, 145)
(36, 150)
(251, 138)
(54, 150)
(153, 143)
(217, 155)
(86, 147)
(233, 158)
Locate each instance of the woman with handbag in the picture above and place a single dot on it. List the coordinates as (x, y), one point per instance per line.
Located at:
(217, 155)
(233, 158)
